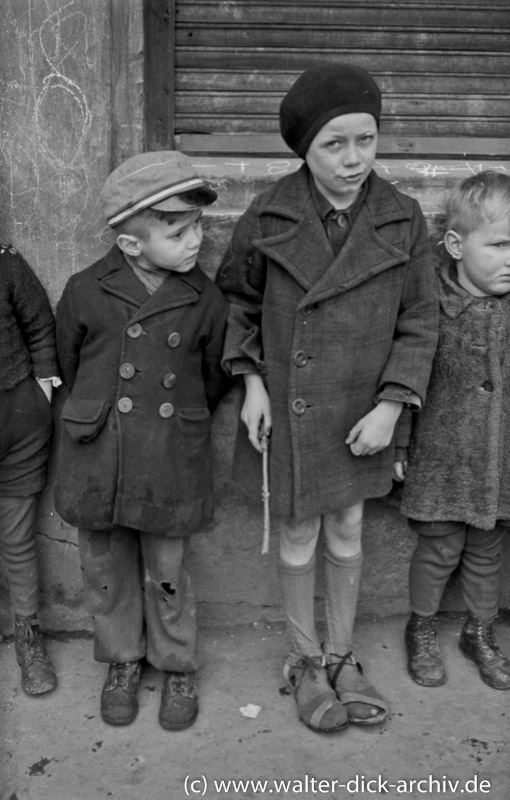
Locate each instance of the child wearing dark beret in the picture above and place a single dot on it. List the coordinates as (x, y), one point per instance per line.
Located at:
(333, 327)
(28, 371)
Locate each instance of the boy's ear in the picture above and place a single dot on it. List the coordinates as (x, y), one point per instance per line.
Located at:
(453, 243)
(129, 244)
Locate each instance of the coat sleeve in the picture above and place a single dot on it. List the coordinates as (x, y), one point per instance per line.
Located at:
(241, 277)
(70, 336)
(416, 332)
(35, 318)
(216, 381)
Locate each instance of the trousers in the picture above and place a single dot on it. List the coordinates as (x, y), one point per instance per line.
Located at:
(139, 593)
(18, 552)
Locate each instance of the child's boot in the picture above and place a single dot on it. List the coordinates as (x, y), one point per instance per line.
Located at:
(179, 701)
(477, 643)
(424, 662)
(119, 704)
(37, 673)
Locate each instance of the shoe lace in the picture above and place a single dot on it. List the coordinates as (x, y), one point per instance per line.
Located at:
(33, 639)
(122, 674)
(180, 683)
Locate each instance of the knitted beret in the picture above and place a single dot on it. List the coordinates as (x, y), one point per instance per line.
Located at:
(322, 93)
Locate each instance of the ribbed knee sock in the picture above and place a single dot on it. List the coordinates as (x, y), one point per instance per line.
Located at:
(298, 590)
(341, 584)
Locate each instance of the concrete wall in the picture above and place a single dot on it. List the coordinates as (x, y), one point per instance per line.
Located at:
(67, 115)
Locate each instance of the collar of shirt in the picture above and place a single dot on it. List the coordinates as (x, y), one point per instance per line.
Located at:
(151, 279)
(326, 210)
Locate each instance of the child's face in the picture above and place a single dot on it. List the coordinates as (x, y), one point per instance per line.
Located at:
(341, 156)
(172, 247)
(483, 259)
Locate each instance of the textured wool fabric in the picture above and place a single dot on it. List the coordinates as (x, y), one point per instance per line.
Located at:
(322, 93)
(298, 585)
(341, 584)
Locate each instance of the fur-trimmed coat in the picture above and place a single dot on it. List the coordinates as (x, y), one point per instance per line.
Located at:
(328, 347)
(459, 451)
(144, 373)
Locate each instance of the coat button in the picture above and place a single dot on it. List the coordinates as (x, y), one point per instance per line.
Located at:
(126, 371)
(169, 380)
(300, 358)
(125, 405)
(299, 406)
(166, 410)
(134, 331)
(488, 386)
(173, 340)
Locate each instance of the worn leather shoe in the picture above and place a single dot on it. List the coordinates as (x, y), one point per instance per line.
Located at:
(477, 643)
(37, 673)
(119, 704)
(424, 662)
(179, 701)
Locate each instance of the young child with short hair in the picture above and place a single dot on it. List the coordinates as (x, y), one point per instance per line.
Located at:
(456, 489)
(28, 372)
(140, 335)
(333, 325)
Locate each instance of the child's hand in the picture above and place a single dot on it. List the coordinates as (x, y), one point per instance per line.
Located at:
(374, 431)
(399, 470)
(256, 410)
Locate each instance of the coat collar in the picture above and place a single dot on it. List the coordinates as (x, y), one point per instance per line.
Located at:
(291, 199)
(454, 299)
(117, 278)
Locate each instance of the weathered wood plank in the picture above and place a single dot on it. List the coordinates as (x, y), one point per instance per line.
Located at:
(159, 31)
(236, 80)
(366, 14)
(263, 103)
(404, 126)
(273, 144)
(292, 37)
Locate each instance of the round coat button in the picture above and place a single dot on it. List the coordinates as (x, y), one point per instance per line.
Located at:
(488, 386)
(166, 410)
(300, 358)
(341, 221)
(299, 406)
(134, 331)
(173, 340)
(126, 371)
(125, 405)
(169, 380)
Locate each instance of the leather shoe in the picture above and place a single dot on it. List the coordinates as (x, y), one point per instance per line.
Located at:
(477, 643)
(424, 662)
(119, 705)
(179, 701)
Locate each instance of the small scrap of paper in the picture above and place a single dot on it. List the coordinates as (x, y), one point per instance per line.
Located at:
(251, 710)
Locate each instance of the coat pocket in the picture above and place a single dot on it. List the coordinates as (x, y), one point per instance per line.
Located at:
(196, 417)
(84, 419)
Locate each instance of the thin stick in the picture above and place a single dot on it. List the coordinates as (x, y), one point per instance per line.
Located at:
(265, 492)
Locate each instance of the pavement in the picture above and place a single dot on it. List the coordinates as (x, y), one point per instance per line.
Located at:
(443, 743)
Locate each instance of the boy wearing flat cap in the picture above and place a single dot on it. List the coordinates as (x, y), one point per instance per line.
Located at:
(139, 336)
(333, 326)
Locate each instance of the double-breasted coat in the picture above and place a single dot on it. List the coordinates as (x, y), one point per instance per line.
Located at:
(459, 450)
(144, 375)
(327, 348)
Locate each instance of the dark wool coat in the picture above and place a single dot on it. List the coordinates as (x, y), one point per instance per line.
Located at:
(459, 455)
(144, 375)
(327, 349)
(27, 325)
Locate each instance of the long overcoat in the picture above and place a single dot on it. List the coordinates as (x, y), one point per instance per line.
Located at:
(459, 453)
(144, 374)
(327, 348)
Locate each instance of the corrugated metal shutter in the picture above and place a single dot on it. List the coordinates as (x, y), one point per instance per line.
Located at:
(444, 67)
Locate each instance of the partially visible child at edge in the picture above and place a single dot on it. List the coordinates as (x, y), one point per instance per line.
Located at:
(140, 335)
(333, 325)
(28, 371)
(457, 483)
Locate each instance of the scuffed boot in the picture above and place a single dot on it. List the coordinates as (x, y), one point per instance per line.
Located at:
(424, 662)
(37, 673)
(119, 704)
(477, 643)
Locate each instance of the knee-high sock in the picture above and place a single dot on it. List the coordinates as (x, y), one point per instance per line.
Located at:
(432, 563)
(479, 572)
(298, 589)
(341, 584)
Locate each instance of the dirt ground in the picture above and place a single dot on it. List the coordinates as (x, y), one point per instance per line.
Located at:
(443, 743)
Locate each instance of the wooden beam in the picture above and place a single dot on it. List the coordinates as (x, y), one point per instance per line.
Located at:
(159, 73)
